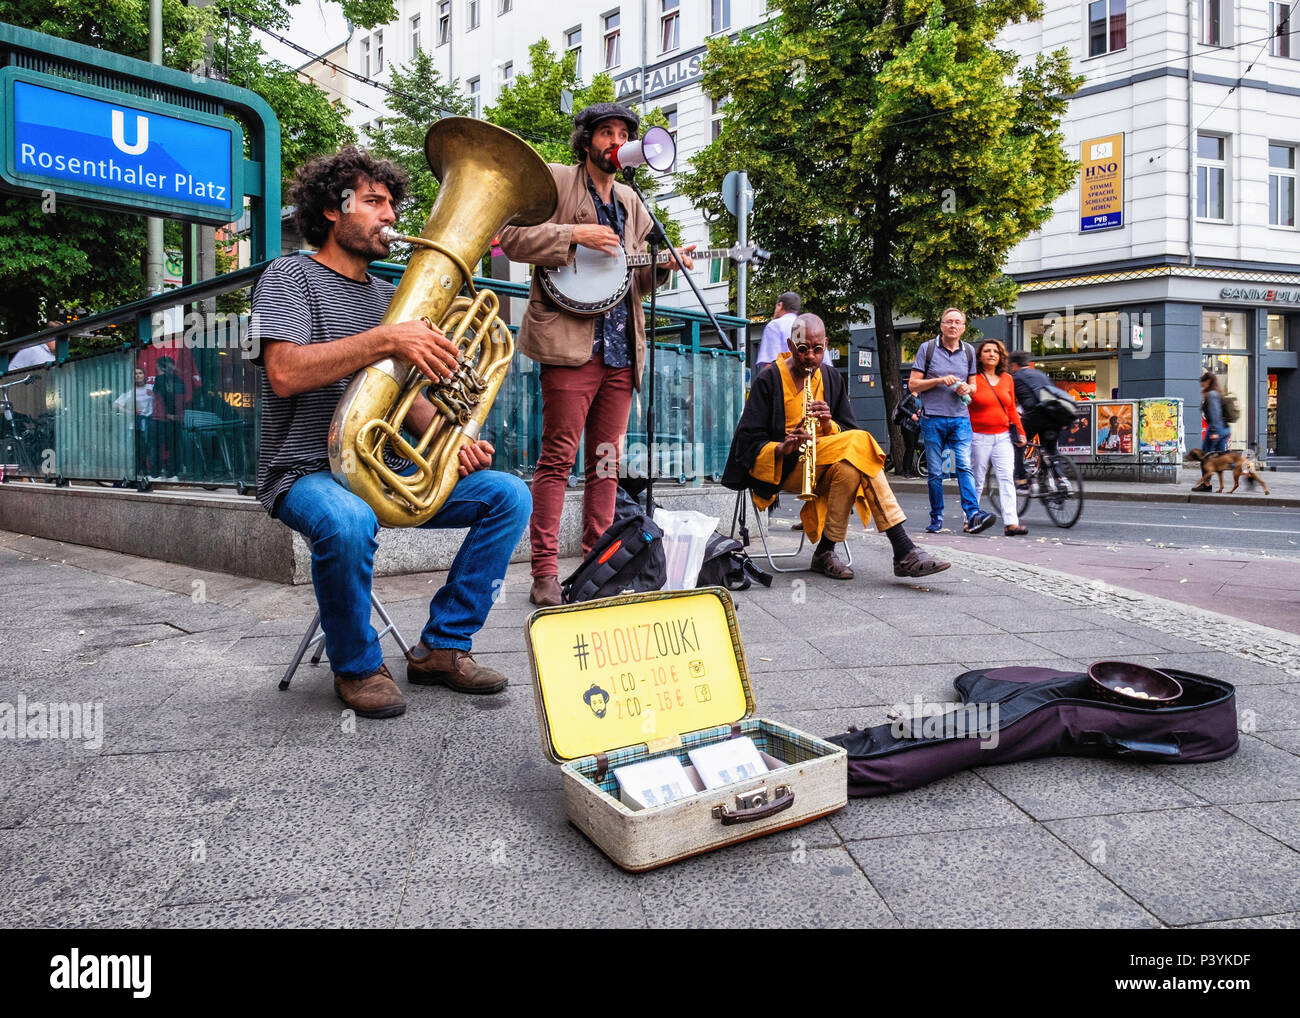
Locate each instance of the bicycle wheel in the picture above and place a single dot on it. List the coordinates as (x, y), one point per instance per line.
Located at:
(1065, 502)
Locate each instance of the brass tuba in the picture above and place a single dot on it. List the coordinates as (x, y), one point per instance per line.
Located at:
(490, 178)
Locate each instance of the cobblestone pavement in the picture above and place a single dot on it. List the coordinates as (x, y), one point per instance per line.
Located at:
(213, 799)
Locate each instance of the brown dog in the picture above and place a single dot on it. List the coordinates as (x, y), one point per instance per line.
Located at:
(1212, 463)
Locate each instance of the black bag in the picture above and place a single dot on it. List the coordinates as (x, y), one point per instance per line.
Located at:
(628, 556)
(1231, 409)
(907, 406)
(1056, 406)
(726, 565)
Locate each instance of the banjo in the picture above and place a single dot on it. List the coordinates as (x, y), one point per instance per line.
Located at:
(596, 281)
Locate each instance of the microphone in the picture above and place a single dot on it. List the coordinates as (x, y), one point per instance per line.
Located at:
(656, 150)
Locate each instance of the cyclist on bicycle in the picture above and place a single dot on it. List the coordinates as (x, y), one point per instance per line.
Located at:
(1028, 381)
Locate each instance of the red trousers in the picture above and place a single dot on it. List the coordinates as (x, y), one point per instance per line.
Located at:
(596, 399)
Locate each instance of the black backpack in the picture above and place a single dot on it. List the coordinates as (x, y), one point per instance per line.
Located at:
(727, 565)
(628, 556)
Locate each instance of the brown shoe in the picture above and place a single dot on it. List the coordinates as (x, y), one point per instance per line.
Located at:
(545, 592)
(919, 563)
(375, 696)
(830, 565)
(455, 669)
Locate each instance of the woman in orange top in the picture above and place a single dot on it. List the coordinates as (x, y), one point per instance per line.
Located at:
(993, 419)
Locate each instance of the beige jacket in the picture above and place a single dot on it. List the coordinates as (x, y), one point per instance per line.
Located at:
(547, 334)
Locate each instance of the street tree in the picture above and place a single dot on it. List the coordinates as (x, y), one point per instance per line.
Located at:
(897, 152)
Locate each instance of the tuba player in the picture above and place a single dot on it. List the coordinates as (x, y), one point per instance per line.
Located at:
(315, 323)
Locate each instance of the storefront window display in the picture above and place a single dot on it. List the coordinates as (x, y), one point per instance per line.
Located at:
(1078, 351)
(1225, 351)
(1277, 330)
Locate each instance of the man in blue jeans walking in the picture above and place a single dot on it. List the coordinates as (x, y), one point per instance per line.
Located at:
(943, 376)
(315, 323)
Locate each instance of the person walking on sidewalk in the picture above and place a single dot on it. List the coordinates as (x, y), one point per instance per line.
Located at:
(943, 376)
(776, 334)
(995, 422)
(1216, 425)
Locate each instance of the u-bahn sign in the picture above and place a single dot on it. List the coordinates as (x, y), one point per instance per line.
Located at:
(97, 145)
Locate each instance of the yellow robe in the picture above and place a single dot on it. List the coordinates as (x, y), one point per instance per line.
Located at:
(833, 445)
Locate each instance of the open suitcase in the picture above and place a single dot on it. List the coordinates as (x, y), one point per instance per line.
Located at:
(626, 679)
(1040, 712)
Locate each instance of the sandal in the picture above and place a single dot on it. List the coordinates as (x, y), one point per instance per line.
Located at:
(831, 565)
(1016, 531)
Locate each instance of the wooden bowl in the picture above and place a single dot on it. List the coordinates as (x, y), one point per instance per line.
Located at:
(1110, 677)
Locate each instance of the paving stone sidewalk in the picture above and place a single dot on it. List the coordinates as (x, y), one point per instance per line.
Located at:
(216, 800)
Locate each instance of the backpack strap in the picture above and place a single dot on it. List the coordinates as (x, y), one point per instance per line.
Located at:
(591, 577)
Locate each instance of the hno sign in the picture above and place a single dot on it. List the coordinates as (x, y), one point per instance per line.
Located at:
(92, 144)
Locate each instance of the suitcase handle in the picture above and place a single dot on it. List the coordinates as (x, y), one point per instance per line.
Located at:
(784, 800)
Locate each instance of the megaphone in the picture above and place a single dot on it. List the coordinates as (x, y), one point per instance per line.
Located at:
(656, 150)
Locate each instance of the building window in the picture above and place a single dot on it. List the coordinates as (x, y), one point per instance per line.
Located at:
(416, 44)
(720, 17)
(379, 51)
(1216, 19)
(504, 6)
(507, 73)
(444, 22)
(1276, 333)
(669, 25)
(573, 43)
(365, 57)
(671, 114)
(475, 98)
(715, 117)
(1107, 26)
(1281, 185)
(1211, 177)
(1285, 38)
(471, 15)
(612, 32)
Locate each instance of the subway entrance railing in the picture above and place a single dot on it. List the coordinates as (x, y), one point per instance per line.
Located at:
(163, 390)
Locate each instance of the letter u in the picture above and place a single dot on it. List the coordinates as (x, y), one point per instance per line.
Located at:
(141, 133)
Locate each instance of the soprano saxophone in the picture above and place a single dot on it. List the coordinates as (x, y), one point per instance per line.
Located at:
(808, 451)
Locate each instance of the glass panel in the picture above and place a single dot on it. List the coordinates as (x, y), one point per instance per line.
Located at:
(1276, 332)
(1232, 373)
(1209, 147)
(1215, 193)
(1096, 28)
(92, 437)
(26, 423)
(1223, 330)
(1281, 157)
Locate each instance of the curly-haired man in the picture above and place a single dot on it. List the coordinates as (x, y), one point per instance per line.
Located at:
(316, 318)
(589, 365)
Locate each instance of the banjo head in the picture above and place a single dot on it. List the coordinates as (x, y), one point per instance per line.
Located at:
(590, 284)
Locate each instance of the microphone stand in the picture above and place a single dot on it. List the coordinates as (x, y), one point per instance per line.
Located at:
(658, 238)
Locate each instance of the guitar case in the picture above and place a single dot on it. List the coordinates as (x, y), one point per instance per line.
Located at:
(1019, 713)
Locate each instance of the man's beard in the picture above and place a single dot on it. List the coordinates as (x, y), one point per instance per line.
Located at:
(355, 240)
(602, 161)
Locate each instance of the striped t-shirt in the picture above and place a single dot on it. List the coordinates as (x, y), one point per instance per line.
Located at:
(299, 300)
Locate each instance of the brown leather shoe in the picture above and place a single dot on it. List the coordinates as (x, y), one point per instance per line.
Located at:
(545, 592)
(919, 563)
(455, 669)
(375, 696)
(830, 565)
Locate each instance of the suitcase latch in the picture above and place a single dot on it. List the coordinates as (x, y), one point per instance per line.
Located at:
(755, 805)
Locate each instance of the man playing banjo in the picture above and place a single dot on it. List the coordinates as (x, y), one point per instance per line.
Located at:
(589, 364)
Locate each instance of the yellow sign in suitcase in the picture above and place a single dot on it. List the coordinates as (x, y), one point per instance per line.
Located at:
(641, 676)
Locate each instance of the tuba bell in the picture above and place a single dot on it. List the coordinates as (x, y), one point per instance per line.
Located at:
(490, 178)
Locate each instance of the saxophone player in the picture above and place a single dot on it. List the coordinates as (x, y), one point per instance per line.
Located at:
(849, 465)
(315, 322)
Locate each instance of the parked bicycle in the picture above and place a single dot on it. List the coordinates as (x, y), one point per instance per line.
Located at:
(1053, 480)
(17, 433)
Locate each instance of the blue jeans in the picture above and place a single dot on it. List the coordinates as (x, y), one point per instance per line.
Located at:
(343, 532)
(941, 433)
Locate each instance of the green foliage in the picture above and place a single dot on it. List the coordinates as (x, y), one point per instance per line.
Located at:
(897, 155)
(77, 257)
(422, 98)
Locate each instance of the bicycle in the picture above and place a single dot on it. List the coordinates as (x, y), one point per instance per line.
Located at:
(1054, 480)
(16, 433)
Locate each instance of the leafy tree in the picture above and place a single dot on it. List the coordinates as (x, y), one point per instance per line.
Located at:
(898, 155)
(420, 97)
(77, 257)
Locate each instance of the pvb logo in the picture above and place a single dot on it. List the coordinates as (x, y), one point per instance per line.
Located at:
(141, 133)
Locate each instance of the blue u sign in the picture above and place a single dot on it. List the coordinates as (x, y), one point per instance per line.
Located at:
(87, 142)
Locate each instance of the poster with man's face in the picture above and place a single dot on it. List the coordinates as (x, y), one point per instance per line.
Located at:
(1114, 429)
(1076, 438)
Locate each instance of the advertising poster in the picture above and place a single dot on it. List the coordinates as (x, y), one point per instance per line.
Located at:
(1102, 184)
(1158, 425)
(1076, 440)
(1114, 428)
